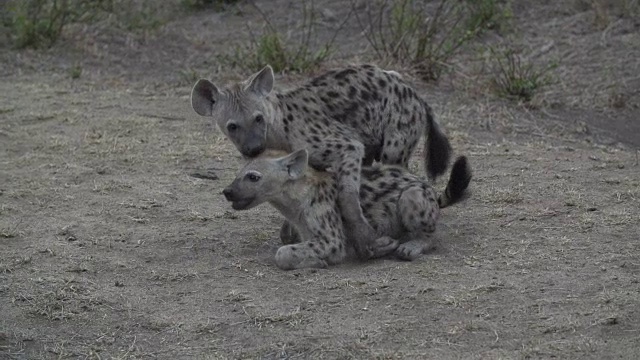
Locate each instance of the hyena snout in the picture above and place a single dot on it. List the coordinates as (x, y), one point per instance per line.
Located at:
(253, 150)
(228, 194)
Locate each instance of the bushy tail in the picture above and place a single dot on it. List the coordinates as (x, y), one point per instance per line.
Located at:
(458, 183)
(437, 147)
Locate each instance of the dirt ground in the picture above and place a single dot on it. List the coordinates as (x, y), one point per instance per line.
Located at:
(111, 247)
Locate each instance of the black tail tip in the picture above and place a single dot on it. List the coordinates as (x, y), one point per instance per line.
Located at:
(460, 178)
(438, 148)
(439, 154)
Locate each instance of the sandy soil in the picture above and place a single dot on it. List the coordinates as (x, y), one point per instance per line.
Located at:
(113, 246)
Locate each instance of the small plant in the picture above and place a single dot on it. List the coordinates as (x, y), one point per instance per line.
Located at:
(75, 72)
(37, 22)
(270, 47)
(515, 78)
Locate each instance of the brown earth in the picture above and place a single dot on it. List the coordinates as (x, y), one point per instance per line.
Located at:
(111, 248)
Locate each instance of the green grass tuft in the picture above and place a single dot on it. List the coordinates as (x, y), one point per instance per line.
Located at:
(427, 35)
(517, 79)
(270, 47)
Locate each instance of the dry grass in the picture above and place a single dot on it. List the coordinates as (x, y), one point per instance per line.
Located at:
(124, 254)
(427, 36)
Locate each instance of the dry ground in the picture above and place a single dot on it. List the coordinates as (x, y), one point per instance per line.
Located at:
(112, 248)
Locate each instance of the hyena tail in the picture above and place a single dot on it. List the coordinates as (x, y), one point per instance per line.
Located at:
(456, 189)
(437, 147)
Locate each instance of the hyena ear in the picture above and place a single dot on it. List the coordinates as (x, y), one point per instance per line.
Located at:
(296, 163)
(203, 96)
(261, 83)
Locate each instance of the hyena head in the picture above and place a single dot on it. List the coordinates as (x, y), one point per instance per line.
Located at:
(265, 179)
(242, 111)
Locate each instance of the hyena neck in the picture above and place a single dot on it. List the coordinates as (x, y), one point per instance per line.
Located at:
(293, 201)
(276, 136)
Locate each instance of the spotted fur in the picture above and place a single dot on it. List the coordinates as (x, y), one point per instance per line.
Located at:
(402, 208)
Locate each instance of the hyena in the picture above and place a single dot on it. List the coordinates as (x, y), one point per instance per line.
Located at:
(344, 118)
(400, 206)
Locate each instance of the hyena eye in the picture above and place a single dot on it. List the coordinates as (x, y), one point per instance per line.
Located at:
(253, 177)
(232, 127)
(259, 119)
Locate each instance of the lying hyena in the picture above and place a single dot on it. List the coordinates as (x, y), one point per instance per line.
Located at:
(343, 117)
(400, 206)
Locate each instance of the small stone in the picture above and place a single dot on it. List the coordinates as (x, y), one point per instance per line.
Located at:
(208, 174)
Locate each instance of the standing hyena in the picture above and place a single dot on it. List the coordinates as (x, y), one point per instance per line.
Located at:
(400, 206)
(343, 118)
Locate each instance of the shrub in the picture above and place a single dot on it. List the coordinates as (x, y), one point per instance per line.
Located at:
(423, 34)
(271, 47)
(515, 78)
(36, 23)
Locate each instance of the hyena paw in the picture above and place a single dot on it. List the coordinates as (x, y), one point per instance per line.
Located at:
(290, 257)
(366, 248)
(409, 251)
(289, 234)
(382, 246)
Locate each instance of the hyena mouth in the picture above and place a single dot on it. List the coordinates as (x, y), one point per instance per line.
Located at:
(253, 152)
(242, 204)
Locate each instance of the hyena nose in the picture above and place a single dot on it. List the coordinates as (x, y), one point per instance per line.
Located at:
(228, 194)
(253, 151)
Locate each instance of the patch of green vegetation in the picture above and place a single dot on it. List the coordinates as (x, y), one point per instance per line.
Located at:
(516, 78)
(75, 72)
(39, 23)
(427, 35)
(271, 48)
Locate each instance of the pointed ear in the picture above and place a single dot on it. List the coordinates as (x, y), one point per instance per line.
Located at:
(296, 163)
(203, 96)
(261, 83)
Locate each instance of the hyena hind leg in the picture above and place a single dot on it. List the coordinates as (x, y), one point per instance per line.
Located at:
(419, 212)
